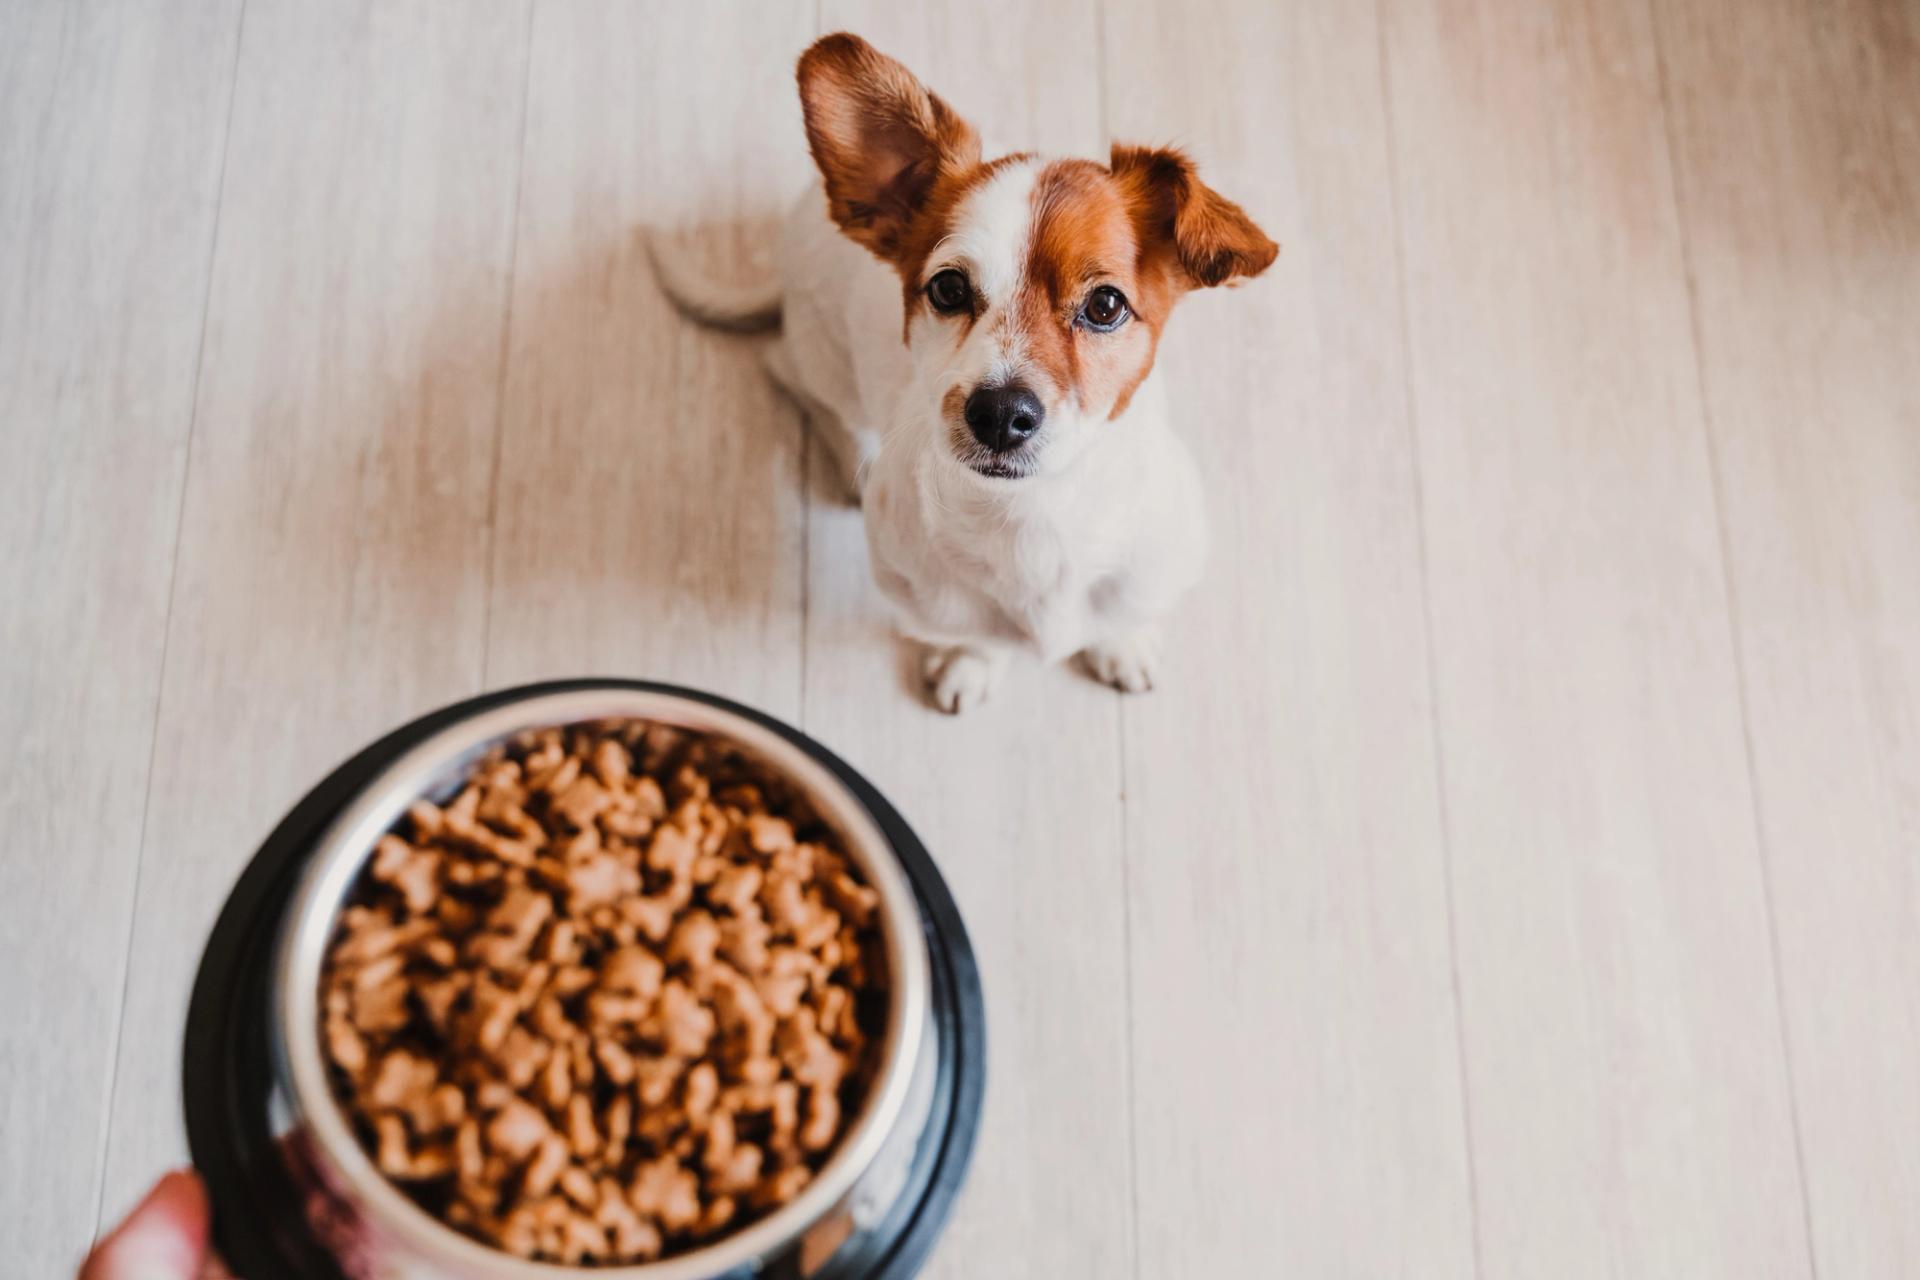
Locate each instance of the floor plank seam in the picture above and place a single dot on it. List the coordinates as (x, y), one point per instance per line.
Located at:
(1100, 61)
(1131, 1047)
(806, 559)
(105, 1145)
(806, 498)
(502, 382)
(1434, 717)
(1731, 596)
(1126, 986)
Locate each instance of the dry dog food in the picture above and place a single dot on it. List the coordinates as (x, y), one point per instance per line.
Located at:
(618, 997)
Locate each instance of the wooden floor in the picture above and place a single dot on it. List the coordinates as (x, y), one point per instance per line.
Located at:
(1518, 873)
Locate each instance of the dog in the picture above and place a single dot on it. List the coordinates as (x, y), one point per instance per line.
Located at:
(974, 342)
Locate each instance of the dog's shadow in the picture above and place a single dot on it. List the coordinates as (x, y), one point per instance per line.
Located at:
(597, 485)
(635, 505)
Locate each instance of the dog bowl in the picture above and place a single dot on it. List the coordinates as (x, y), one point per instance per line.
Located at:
(296, 1196)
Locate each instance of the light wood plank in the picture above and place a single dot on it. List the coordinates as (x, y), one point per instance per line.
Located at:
(1297, 1091)
(1797, 137)
(112, 120)
(650, 519)
(1627, 1082)
(332, 574)
(1018, 800)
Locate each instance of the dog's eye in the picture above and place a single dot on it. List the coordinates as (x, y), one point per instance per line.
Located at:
(949, 292)
(1105, 309)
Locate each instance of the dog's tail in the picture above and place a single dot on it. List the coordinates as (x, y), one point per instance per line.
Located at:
(740, 308)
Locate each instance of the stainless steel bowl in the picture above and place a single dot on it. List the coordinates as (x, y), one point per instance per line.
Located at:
(377, 1233)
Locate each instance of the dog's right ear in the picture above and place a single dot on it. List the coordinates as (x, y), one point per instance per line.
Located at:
(880, 137)
(1208, 236)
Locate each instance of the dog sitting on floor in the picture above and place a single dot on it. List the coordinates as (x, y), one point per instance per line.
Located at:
(974, 340)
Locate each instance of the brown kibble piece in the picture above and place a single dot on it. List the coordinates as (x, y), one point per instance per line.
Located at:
(615, 1062)
(783, 1186)
(550, 1019)
(736, 888)
(414, 872)
(581, 1133)
(469, 1156)
(581, 802)
(681, 1024)
(611, 763)
(856, 901)
(581, 1240)
(718, 1214)
(344, 1045)
(823, 1119)
(693, 942)
(667, 1192)
(721, 1136)
(444, 1108)
(394, 1156)
(397, 1159)
(510, 929)
(769, 835)
(520, 1056)
(633, 1236)
(425, 818)
(655, 1080)
(750, 1027)
(653, 917)
(600, 879)
(619, 1125)
(632, 971)
(808, 1055)
(494, 1010)
(516, 1130)
(738, 1172)
(549, 1161)
(701, 1090)
(743, 940)
(578, 1186)
(760, 1071)
(784, 897)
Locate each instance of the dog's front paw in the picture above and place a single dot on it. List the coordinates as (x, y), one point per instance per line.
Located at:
(1128, 663)
(960, 678)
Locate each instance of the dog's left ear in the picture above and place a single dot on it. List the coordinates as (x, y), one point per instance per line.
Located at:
(1210, 237)
(881, 139)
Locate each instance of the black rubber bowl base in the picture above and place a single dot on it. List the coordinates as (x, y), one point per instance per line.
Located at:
(260, 1225)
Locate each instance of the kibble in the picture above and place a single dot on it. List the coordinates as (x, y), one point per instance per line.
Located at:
(614, 999)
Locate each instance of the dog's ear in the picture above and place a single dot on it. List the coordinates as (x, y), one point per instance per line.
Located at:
(880, 137)
(1209, 237)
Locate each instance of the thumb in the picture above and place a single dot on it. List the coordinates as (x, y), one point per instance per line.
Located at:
(164, 1238)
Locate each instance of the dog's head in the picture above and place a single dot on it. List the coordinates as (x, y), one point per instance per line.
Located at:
(1035, 290)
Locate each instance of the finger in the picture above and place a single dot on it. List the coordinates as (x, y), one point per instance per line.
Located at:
(164, 1238)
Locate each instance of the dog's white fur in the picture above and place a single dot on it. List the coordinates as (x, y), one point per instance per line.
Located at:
(1086, 555)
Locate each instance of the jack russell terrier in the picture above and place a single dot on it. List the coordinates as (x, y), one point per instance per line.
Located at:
(1022, 484)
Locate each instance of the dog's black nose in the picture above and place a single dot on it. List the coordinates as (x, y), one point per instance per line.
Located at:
(1002, 417)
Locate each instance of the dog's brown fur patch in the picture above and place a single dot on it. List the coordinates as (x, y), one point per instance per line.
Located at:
(1083, 237)
(1195, 231)
(882, 140)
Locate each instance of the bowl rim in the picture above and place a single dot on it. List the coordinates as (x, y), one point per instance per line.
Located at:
(439, 761)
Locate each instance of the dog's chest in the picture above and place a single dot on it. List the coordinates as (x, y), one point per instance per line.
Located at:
(1020, 577)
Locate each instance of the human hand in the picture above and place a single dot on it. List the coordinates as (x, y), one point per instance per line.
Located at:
(164, 1238)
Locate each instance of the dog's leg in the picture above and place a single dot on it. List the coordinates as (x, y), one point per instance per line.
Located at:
(1127, 660)
(961, 676)
(853, 449)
